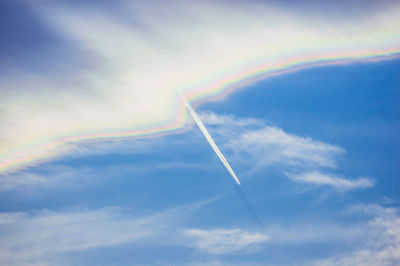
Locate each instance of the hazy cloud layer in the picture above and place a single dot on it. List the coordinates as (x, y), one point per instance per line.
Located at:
(31, 238)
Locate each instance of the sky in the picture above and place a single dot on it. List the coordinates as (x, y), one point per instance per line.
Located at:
(102, 163)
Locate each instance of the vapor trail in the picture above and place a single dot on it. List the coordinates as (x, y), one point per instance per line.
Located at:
(209, 138)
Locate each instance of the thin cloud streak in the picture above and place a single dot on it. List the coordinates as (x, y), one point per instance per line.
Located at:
(321, 179)
(211, 118)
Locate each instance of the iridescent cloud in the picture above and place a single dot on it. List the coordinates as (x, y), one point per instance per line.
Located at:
(140, 58)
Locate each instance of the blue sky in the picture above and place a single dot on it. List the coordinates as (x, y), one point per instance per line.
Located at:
(316, 148)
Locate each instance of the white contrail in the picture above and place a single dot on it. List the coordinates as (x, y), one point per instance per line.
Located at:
(209, 138)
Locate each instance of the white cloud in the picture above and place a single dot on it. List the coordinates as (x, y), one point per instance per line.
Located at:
(132, 70)
(268, 145)
(271, 145)
(321, 179)
(382, 247)
(227, 241)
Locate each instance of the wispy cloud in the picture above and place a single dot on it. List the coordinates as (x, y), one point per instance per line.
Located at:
(12, 181)
(272, 145)
(227, 241)
(47, 175)
(321, 179)
(370, 240)
(64, 175)
(269, 145)
(29, 238)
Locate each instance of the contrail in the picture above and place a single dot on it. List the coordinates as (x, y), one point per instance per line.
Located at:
(209, 138)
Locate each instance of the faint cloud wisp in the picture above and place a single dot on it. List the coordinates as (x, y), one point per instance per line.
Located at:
(227, 241)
